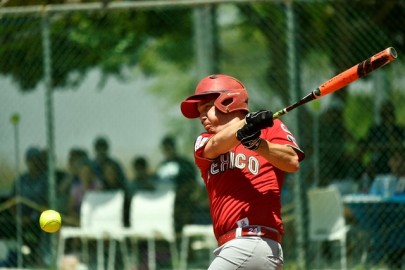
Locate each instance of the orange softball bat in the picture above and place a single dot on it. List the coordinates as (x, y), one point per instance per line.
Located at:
(344, 78)
(350, 75)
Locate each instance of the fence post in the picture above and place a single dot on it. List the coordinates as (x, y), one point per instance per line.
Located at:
(293, 82)
(15, 120)
(205, 38)
(49, 114)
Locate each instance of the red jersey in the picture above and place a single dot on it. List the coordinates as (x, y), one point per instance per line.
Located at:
(243, 187)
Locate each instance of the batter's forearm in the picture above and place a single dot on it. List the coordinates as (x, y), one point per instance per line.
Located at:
(281, 156)
(223, 141)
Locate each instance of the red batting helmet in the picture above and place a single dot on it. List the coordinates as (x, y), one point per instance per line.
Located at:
(229, 93)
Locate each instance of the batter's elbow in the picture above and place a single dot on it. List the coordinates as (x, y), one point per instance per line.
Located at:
(294, 165)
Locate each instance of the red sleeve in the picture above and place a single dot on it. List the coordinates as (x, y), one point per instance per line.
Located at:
(280, 134)
(202, 163)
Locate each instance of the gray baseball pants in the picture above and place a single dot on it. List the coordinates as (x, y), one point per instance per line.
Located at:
(248, 253)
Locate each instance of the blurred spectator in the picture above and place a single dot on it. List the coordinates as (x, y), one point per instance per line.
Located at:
(102, 156)
(388, 185)
(392, 183)
(113, 182)
(179, 173)
(60, 175)
(349, 179)
(87, 181)
(333, 163)
(143, 180)
(75, 158)
(111, 177)
(32, 185)
(381, 140)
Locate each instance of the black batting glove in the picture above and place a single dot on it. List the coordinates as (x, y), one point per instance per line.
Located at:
(249, 134)
(249, 137)
(260, 119)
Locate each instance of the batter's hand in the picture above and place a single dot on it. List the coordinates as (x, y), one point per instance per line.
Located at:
(249, 134)
(249, 137)
(260, 119)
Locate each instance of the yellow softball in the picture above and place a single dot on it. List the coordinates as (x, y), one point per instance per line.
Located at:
(50, 221)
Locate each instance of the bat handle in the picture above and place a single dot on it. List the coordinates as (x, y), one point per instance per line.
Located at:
(306, 99)
(279, 113)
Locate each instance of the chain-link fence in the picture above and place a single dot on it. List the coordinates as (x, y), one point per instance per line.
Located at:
(55, 58)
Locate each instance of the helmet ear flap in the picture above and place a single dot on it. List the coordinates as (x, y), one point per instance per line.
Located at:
(232, 101)
(227, 101)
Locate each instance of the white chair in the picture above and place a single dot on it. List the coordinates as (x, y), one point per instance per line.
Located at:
(196, 230)
(101, 216)
(151, 219)
(326, 219)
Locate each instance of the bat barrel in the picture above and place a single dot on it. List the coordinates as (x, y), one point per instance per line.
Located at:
(376, 61)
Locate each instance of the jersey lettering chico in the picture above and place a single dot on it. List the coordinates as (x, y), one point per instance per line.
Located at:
(243, 187)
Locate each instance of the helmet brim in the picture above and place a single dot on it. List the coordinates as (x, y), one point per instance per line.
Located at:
(189, 106)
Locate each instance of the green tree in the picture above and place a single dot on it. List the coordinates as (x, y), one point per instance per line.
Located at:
(110, 40)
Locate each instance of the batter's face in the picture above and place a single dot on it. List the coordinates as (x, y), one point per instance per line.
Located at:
(213, 119)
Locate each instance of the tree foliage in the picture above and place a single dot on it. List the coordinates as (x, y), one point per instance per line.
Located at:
(80, 42)
(346, 31)
(114, 40)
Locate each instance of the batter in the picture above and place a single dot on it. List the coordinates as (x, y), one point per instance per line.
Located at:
(243, 157)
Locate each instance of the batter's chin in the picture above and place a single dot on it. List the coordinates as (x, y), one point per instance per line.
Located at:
(209, 129)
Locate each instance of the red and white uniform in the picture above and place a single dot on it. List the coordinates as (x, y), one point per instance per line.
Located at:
(243, 187)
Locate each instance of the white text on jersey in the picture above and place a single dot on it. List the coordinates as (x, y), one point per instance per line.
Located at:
(231, 160)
